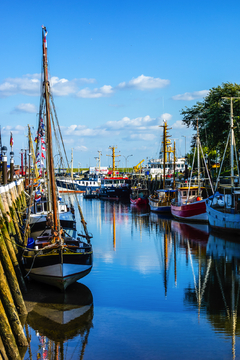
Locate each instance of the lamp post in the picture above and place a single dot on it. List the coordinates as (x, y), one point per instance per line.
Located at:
(185, 144)
(11, 165)
(126, 160)
(4, 164)
(79, 168)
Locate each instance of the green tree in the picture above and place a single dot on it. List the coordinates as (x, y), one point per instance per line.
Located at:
(213, 114)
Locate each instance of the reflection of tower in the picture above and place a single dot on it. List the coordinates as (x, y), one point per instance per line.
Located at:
(114, 230)
(165, 261)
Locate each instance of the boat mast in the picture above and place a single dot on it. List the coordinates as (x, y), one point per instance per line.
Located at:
(231, 138)
(166, 150)
(49, 131)
(113, 159)
(72, 165)
(198, 159)
(174, 164)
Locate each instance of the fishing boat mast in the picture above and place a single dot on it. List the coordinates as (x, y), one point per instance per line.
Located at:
(198, 159)
(166, 148)
(113, 159)
(49, 132)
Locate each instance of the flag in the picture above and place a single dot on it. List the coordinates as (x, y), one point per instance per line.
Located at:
(11, 140)
(43, 155)
(43, 148)
(37, 196)
(42, 141)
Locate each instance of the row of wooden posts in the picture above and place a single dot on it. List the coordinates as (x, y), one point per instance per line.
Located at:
(12, 285)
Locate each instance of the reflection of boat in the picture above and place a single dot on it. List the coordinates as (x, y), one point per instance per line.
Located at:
(90, 193)
(218, 246)
(62, 317)
(195, 232)
(56, 258)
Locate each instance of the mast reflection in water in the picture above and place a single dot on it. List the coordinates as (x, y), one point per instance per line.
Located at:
(162, 289)
(61, 322)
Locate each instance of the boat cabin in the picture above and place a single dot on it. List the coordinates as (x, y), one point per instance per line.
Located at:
(187, 195)
(114, 182)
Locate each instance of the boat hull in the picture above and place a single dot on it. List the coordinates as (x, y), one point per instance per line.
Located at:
(114, 193)
(139, 201)
(193, 212)
(59, 268)
(160, 209)
(221, 221)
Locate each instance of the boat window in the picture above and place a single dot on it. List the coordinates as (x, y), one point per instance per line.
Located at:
(184, 193)
(193, 192)
(45, 206)
(39, 207)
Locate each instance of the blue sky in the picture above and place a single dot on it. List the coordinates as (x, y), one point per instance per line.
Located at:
(118, 68)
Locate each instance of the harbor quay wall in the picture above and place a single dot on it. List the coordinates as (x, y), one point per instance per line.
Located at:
(13, 312)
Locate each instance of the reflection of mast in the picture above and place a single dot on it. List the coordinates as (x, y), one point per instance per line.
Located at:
(199, 290)
(231, 315)
(175, 259)
(165, 261)
(114, 230)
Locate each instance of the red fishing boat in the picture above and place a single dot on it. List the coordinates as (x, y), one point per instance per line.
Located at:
(139, 196)
(190, 204)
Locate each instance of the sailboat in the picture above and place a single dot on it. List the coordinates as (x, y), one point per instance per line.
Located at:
(56, 258)
(190, 204)
(223, 209)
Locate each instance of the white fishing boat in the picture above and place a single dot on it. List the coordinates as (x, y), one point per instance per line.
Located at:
(223, 208)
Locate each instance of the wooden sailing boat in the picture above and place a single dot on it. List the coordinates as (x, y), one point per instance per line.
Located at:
(224, 209)
(57, 259)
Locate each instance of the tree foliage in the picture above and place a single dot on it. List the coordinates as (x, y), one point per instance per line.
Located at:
(213, 115)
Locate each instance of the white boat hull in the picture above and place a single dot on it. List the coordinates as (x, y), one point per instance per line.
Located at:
(223, 221)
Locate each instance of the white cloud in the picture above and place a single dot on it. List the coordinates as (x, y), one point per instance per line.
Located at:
(18, 129)
(126, 122)
(144, 137)
(26, 85)
(104, 91)
(166, 116)
(64, 87)
(26, 108)
(82, 130)
(178, 125)
(191, 96)
(143, 82)
(30, 85)
(80, 148)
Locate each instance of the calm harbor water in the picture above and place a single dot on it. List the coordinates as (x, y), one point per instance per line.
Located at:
(159, 289)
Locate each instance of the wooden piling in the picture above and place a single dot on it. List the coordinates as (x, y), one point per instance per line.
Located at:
(12, 255)
(7, 336)
(10, 310)
(11, 276)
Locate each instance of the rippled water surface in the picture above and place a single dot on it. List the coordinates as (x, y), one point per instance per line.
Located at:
(159, 289)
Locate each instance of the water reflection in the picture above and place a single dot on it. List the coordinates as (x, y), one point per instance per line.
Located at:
(160, 284)
(215, 265)
(58, 320)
